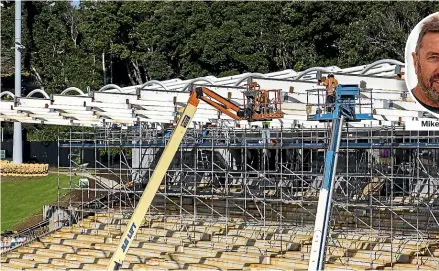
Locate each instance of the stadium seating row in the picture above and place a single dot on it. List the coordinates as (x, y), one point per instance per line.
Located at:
(11, 169)
(184, 244)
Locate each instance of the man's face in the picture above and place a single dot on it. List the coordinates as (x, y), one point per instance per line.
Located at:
(427, 65)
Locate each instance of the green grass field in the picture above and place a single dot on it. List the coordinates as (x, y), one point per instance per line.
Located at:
(22, 197)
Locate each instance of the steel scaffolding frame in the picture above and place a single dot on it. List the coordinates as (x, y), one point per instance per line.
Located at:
(387, 180)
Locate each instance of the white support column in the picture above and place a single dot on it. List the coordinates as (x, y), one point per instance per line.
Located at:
(18, 138)
(142, 159)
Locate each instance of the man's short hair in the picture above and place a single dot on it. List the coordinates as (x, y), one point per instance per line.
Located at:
(432, 25)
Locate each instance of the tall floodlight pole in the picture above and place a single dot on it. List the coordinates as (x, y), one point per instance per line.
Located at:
(18, 140)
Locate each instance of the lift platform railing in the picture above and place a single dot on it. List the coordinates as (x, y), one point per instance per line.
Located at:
(319, 107)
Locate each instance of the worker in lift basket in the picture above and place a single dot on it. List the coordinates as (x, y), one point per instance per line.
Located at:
(263, 102)
(331, 85)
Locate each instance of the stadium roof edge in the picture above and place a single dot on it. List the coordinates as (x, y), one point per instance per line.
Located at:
(133, 104)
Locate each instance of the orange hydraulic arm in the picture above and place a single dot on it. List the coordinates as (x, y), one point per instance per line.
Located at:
(221, 103)
(232, 110)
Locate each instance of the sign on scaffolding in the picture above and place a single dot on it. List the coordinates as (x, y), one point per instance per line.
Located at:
(83, 182)
(2, 154)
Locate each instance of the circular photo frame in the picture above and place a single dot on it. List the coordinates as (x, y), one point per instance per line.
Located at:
(422, 63)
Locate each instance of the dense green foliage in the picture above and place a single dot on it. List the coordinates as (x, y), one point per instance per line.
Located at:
(140, 41)
(23, 197)
(53, 132)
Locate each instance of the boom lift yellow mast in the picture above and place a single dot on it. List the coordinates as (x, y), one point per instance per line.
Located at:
(257, 108)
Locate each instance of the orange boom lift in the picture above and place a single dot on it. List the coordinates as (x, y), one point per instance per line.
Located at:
(257, 107)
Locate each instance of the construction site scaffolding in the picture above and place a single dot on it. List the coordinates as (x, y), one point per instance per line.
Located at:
(386, 185)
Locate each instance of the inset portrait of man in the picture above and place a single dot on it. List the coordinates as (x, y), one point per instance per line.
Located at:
(426, 64)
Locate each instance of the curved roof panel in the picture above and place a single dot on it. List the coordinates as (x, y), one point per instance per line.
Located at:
(161, 101)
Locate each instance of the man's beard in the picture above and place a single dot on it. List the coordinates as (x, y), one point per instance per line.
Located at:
(429, 91)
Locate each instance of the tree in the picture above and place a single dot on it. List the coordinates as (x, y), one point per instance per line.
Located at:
(7, 38)
(134, 42)
(381, 31)
(57, 55)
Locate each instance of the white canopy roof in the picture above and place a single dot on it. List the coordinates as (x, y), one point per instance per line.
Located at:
(159, 101)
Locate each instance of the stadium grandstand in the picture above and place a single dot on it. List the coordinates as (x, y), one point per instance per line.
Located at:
(239, 195)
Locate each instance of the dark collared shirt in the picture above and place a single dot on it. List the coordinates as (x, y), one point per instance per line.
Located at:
(429, 107)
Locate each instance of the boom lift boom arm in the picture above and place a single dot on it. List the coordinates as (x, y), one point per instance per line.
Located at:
(200, 93)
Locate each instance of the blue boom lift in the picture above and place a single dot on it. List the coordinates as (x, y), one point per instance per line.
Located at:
(346, 98)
